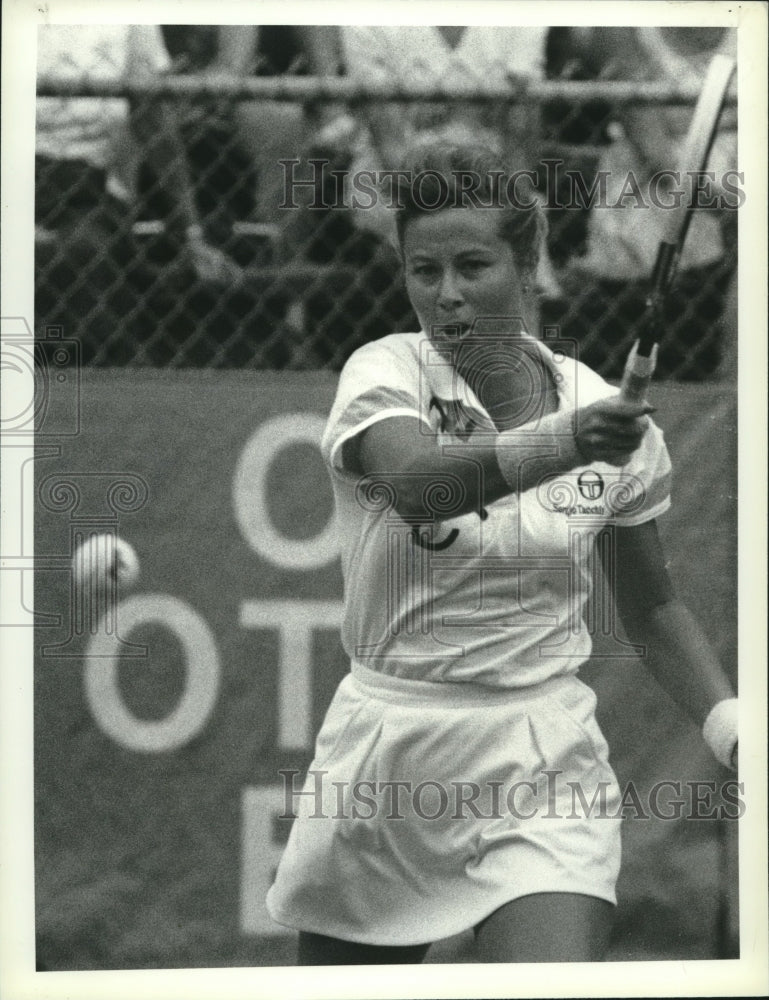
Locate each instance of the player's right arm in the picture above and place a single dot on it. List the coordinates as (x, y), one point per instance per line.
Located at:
(676, 650)
(490, 466)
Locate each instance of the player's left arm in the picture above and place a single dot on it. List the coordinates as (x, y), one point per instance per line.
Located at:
(676, 649)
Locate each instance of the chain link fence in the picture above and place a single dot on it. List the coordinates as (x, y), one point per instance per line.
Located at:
(275, 287)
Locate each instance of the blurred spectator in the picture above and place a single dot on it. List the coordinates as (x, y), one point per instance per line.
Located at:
(336, 312)
(88, 276)
(376, 136)
(574, 134)
(274, 130)
(223, 172)
(469, 55)
(455, 55)
(622, 242)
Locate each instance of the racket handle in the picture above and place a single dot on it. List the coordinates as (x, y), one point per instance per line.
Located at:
(637, 375)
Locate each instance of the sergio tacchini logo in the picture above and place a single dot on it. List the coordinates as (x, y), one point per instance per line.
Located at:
(590, 485)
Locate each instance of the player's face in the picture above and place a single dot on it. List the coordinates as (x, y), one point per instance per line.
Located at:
(459, 269)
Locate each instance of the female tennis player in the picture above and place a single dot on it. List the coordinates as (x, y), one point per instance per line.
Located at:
(460, 779)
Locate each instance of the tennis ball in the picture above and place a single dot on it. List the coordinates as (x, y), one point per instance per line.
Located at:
(103, 556)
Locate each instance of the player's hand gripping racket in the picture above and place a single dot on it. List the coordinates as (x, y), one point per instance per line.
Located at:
(699, 141)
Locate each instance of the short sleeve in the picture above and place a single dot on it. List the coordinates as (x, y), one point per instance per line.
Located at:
(642, 491)
(380, 380)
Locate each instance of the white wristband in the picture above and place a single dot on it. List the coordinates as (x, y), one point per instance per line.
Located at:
(720, 730)
(528, 454)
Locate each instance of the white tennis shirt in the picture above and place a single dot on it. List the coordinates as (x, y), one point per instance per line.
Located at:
(495, 599)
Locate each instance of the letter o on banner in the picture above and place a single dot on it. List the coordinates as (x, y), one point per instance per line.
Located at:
(250, 494)
(202, 676)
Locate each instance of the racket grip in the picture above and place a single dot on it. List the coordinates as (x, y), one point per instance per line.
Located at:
(637, 375)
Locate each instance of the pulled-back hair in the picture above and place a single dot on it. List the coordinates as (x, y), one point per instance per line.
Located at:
(441, 175)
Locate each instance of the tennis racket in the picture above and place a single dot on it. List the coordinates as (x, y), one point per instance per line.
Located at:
(642, 359)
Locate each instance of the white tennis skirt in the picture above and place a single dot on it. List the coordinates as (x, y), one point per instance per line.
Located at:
(430, 805)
